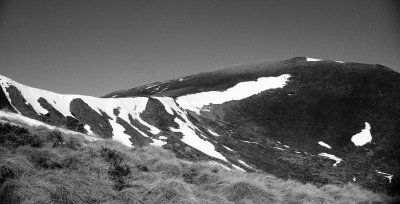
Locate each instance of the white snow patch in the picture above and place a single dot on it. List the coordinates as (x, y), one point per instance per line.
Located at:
(228, 148)
(180, 79)
(219, 164)
(339, 62)
(286, 146)
(363, 137)
(333, 157)
(119, 135)
(89, 131)
(25, 121)
(297, 152)
(279, 148)
(212, 132)
(242, 162)
(167, 103)
(354, 179)
(278, 142)
(313, 59)
(250, 142)
(195, 102)
(193, 140)
(389, 176)
(324, 144)
(158, 143)
(236, 167)
(162, 138)
(61, 102)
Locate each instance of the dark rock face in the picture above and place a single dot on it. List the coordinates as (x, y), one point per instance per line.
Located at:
(136, 123)
(157, 116)
(99, 123)
(19, 102)
(54, 117)
(74, 125)
(136, 138)
(4, 103)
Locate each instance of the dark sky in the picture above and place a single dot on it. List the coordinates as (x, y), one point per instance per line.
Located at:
(94, 47)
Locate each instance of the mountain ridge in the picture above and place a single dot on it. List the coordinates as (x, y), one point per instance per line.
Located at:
(279, 130)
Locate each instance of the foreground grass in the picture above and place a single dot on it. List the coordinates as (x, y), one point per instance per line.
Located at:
(41, 166)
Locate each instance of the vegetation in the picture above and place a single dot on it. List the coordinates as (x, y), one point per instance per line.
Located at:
(40, 166)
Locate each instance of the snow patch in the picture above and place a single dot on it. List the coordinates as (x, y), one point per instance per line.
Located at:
(242, 162)
(236, 167)
(279, 148)
(333, 157)
(119, 135)
(212, 132)
(389, 176)
(313, 59)
(158, 143)
(192, 139)
(340, 62)
(162, 138)
(363, 137)
(167, 103)
(324, 144)
(354, 179)
(195, 102)
(25, 121)
(219, 164)
(228, 148)
(89, 131)
(250, 142)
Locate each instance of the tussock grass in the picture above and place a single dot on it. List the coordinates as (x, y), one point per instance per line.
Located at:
(42, 166)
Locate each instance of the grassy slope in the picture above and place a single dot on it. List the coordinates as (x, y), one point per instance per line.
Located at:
(41, 166)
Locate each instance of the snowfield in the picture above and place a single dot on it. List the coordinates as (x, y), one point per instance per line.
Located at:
(133, 106)
(363, 137)
(195, 102)
(330, 156)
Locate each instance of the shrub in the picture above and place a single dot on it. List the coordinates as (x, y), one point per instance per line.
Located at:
(13, 136)
(170, 191)
(73, 143)
(42, 158)
(170, 168)
(75, 188)
(27, 190)
(56, 138)
(73, 161)
(13, 168)
(111, 155)
(7, 192)
(135, 193)
(243, 190)
(190, 171)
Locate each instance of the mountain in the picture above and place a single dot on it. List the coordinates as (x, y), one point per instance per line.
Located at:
(316, 121)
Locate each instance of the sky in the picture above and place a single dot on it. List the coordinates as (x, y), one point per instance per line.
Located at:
(94, 47)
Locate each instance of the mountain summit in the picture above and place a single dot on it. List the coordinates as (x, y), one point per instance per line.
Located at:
(313, 120)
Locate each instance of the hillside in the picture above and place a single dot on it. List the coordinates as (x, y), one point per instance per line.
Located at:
(41, 165)
(315, 121)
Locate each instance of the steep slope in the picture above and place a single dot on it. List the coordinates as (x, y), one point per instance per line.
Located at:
(312, 120)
